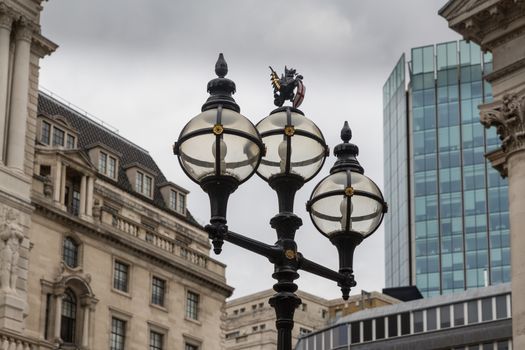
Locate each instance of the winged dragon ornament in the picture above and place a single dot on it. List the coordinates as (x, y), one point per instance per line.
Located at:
(509, 119)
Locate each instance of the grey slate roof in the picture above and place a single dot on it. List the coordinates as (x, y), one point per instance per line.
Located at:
(90, 133)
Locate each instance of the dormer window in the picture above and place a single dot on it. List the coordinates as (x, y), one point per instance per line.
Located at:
(174, 197)
(107, 165)
(143, 183)
(57, 136)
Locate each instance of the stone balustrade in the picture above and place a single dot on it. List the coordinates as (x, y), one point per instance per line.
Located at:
(9, 342)
(165, 243)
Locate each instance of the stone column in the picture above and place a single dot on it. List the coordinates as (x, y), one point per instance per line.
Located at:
(83, 196)
(90, 189)
(5, 38)
(58, 314)
(508, 116)
(16, 140)
(62, 185)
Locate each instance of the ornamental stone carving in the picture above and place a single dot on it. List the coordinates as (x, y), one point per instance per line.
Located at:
(6, 20)
(11, 236)
(24, 30)
(508, 116)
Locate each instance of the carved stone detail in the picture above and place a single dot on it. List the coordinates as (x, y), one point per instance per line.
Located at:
(24, 30)
(509, 119)
(6, 19)
(11, 237)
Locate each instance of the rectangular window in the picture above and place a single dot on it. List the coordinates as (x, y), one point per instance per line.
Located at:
(380, 328)
(418, 321)
(355, 332)
(367, 330)
(121, 276)
(501, 306)
(392, 326)
(139, 182)
(472, 307)
(118, 334)
(445, 316)
(70, 141)
(158, 291)
(173, 200)
(46, 133)
(58, 137)
(102, 162)
(405, 323)
(189, 346)
(156, 341)
(431, 319)
(182, 203)
(112, 167)
(192, 305)
(147, 185)
(459, 314)
(486, 309)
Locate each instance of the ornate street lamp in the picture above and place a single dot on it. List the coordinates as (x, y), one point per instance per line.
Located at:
(219, 149)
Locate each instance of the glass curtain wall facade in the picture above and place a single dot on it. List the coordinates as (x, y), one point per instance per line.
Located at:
(395, 150)
(458, 203)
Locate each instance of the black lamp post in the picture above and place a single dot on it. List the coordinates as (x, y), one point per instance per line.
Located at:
(219, 149)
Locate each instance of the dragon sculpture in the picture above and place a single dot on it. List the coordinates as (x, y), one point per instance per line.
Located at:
(288, 87)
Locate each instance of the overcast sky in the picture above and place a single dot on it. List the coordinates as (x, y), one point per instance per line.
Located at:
(142, 66)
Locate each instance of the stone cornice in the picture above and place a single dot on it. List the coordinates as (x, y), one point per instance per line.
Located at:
(478, 19)
(508, 116)
(43, 46)
(136, 248)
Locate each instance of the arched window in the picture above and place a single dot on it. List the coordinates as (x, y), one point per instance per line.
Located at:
(70, 254)
(69, 315)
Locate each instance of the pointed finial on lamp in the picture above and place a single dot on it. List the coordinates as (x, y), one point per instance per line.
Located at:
(346, 133)
(221, 67)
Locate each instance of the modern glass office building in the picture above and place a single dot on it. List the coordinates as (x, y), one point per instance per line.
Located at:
(447, 228)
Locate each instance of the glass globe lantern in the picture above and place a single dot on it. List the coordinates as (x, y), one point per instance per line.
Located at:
(346, 206)
(219, 148)
(294, 145)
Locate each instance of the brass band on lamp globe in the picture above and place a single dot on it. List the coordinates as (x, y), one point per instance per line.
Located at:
(219, 142)
(294, 145)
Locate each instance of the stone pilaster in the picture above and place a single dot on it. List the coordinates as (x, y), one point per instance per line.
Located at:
(6, 21)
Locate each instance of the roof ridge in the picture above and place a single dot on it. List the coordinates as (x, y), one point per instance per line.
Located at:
(54, 97)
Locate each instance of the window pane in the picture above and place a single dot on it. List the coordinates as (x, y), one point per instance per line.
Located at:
(445, 316)
(70, 254)
(112, 164)
(472, 308)
(158, 289)
(418, 321)
(431, 319)
(459, 317)
(192, 305)
(355, 332)
(156, 341)
(68, 317)
(147, 185)
(120, 276)
(380, 328)
(102, 161)
(486, 309)
(58, 137)
(139, 182)
(501, 306)
(405, 323)
(46, 133)
(173, 200)
(118, 334)
(70, 141)
(367, 330)
(392, 326)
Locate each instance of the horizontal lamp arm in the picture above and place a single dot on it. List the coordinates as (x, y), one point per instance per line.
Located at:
(269, 251)
(319, 270)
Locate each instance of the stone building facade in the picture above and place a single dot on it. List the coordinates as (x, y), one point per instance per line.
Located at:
(97, 249)
(498, 26)
(249, 321)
